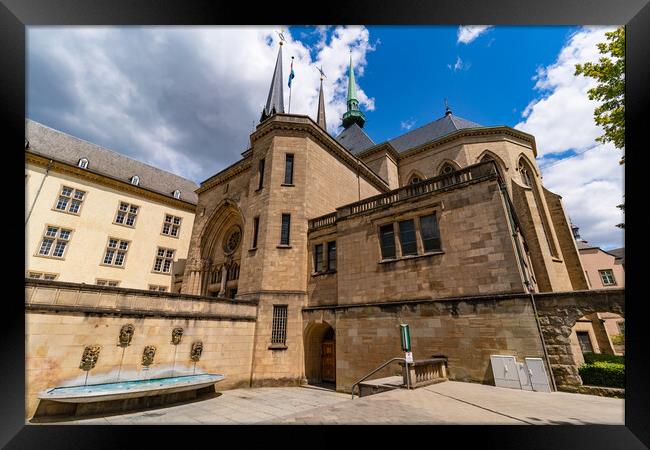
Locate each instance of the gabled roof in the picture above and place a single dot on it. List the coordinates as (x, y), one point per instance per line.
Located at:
(619, 253)
(354, 139)
(431, 131)
(62, 147)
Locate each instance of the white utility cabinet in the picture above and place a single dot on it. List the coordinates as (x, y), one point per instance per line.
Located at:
(506, 373)
(537, 372)
(524, 377)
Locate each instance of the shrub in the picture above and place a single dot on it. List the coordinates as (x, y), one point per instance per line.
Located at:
(603, 374)
(591, 358)
(618, 339)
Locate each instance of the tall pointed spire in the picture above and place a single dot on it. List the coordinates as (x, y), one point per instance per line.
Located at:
(275, 100)
(320, 117)
(353, 114)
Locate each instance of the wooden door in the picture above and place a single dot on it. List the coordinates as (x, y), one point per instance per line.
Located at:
(328, 361)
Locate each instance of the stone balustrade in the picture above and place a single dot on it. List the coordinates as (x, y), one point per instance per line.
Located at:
(425, 371)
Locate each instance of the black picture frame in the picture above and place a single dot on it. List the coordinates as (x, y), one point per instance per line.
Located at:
(635, 14)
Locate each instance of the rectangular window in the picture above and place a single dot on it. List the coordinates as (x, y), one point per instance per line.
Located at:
(171, 225)
(158, 288)
(261, 173)
(430, 233)
(279, 329)
(102, 282)
(331, 255)
(318, 258)
(70, 200)
(42, 276)
(407, 237)
(115, 253)
(164, 259)
(55, 241)
(607, 277)
(585, 342)
(288, 169)
(286, 226)
(126, 214)
(387, 241)
(256, 227)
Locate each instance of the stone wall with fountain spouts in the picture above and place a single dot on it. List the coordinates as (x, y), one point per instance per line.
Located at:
(83, 334)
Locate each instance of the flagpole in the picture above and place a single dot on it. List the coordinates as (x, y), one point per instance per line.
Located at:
(290, 85)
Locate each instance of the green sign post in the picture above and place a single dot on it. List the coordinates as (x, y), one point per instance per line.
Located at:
(406, 337)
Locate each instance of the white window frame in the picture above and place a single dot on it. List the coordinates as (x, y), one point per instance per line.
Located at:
(164, 260)
(69, 197)
(54, 234)
(606, 272)
(126, 214)
(174, 223)
(118, 249)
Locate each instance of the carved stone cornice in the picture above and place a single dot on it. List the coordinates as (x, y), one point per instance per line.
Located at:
(292, 122)
(105, 180)
(226, 174)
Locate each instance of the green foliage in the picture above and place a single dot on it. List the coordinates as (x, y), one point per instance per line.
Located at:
(618, 339)
(610, 90)
(603, 374)
(591, 358)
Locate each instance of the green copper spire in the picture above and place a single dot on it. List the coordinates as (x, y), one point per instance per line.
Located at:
(353, 114)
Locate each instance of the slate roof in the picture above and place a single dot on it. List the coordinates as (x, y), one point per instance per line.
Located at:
(62, 147)
(354, 139)
(619, 253)
(431, 131)
(584, 245)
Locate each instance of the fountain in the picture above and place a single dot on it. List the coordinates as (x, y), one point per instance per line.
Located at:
(123, 395)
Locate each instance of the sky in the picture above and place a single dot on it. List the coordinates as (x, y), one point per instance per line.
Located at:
(186, 99)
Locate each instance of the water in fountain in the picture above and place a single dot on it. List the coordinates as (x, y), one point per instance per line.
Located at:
(121, 362)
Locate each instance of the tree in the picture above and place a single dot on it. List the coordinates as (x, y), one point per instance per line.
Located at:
(610, 91)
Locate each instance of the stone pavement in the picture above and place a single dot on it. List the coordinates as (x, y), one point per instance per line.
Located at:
(444, 403)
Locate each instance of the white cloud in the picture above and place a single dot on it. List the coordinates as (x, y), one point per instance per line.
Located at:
(469, 33)
(407, 124)
(182, 99)
(561, 119)
(459, 65)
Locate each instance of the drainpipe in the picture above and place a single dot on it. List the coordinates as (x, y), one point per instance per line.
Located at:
(527, 282)
(47, 171)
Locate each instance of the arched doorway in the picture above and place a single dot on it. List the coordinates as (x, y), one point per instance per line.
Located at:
(320, 354)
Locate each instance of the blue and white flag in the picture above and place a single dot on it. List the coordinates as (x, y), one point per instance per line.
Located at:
(291, 74)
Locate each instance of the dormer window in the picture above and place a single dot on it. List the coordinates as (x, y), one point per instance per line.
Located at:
(135, 180)
(177, 194)
(83, 163)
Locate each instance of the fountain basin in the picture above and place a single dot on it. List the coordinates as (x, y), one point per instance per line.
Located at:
(130, 389)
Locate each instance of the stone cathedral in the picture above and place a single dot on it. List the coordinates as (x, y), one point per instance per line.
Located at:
(338, 240)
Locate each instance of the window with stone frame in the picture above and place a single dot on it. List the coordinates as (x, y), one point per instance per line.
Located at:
(318, 258)
(157, 288)
(430, 233)
(70, 200)
(256, 229)
(171, 225)
(279, 325)
(260, 170)
(288, 169)
(164, 260)
(126, 214)
(407, 237)
(42, 275)
(55, 242)
(103, 282)
(285, 229)
(387, 241)
(607, 277)
(115, 252)
(331, 256)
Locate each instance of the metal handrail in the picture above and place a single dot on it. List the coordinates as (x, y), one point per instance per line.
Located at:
(408, 381)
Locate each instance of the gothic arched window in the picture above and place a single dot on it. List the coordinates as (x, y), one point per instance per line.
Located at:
(415, 179)
(447, 169)
(525, 173)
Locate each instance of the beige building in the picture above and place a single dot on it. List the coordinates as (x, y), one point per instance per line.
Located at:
(95, 216)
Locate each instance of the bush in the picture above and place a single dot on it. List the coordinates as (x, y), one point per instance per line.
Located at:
(591, 358)
(603, 374)
(618, 339)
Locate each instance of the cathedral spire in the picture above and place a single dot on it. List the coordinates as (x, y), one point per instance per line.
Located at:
(275, 100)
(353, 114)
(320, 117)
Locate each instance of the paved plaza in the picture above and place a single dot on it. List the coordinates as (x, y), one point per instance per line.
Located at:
(444, 403)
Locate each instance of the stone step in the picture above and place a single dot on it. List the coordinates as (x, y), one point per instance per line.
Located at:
(370, 387)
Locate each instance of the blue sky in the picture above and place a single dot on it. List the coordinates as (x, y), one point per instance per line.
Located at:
(185, 99)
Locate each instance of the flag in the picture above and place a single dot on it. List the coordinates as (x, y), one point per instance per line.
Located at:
(291, 75)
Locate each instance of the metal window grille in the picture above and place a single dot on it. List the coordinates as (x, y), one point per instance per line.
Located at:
(279, 330)
(288, 170)
(286, 223)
